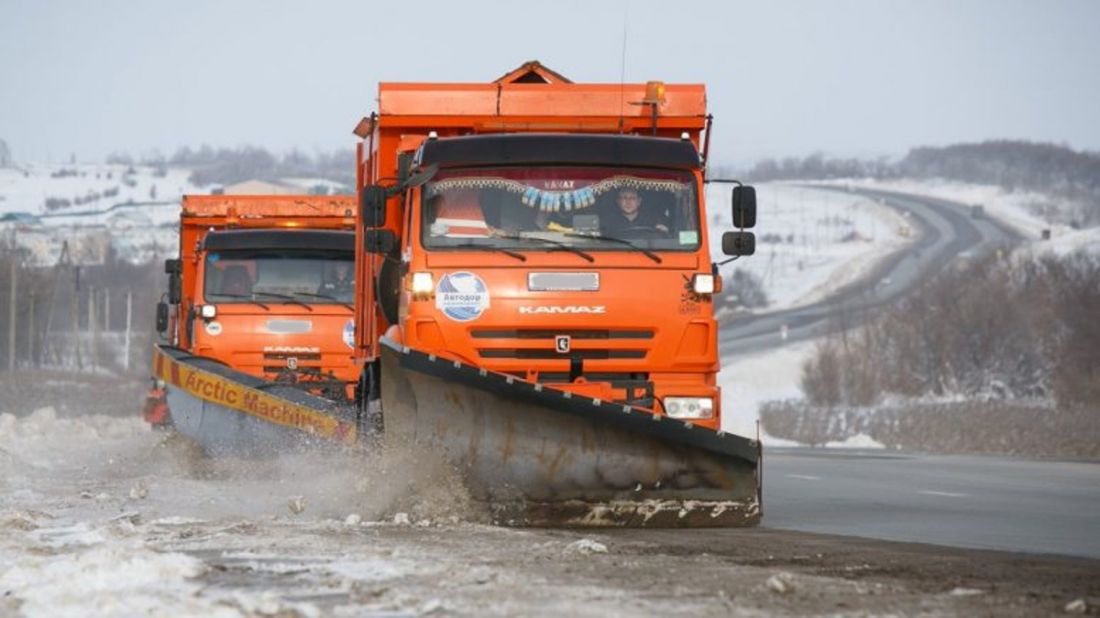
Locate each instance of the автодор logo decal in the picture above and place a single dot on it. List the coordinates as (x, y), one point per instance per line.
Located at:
(462, 296)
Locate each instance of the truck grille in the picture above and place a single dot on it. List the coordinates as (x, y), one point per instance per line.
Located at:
(540, 353)
(549, 333)
(308, 362)
(282, 356)
(539, 343)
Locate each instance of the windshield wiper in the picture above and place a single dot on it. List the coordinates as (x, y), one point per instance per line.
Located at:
(288, 299)
(471, 245)
(649, 254)
(326, 297)
(244, 296)
(559, 245)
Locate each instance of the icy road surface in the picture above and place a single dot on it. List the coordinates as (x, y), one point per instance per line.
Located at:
(101, 516)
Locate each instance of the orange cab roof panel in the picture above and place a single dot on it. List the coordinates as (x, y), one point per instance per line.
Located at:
(269, 206)
(537, 100)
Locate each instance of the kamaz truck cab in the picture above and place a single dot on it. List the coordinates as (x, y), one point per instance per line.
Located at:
(265, 286)
(578, 261)
(277, 304)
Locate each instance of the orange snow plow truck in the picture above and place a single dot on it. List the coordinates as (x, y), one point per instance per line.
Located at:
(533, 305)
(257, 323)
(541, 308)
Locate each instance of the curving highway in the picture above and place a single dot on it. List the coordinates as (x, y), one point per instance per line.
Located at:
(946, 231)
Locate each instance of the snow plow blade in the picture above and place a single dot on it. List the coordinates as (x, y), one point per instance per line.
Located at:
(229, 413)
(540, 456)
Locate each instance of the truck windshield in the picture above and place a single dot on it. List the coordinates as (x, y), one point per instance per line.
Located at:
(301, 277)
(589, 208)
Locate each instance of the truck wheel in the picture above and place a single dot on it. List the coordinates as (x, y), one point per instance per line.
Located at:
(369, 400)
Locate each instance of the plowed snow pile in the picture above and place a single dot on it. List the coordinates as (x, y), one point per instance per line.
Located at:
(94, 506)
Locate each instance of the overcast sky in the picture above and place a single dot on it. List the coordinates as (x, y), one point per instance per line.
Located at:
(859, 78)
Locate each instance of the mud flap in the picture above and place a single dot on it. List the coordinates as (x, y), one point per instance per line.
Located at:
(542, 456)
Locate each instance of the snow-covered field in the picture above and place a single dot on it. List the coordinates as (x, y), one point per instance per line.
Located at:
(83, 187)
(809, 241)
(130, 209)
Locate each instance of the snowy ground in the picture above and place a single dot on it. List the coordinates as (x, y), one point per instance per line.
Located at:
(101, 516)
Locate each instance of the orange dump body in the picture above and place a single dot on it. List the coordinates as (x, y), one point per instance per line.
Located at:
(638, 332)
(260, 291)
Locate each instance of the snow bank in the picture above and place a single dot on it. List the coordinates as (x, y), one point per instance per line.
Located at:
(47, 441)
(860, 440)
(750, 380)
(106, 580)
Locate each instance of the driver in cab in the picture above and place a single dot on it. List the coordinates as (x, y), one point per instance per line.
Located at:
(629, 215)
(340, 282)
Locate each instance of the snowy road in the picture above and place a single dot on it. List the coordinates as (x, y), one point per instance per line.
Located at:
(947, 232)
(99, 516)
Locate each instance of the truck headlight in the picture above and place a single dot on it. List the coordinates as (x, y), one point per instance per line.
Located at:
(703, 284)
(689, 407)
(208, 312)
(422, 283)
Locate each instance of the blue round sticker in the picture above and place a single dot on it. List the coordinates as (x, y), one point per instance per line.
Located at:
(462, 296)
(349, 333)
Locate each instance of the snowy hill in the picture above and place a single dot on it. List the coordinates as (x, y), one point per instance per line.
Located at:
(94, 207)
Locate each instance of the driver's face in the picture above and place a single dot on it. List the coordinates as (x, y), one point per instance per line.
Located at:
(629, 201)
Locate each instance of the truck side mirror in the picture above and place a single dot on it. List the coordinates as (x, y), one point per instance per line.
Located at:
(380, 241)
(373, 206)
(738, 243)
(162, 317)
(174, 268)
(744, 207)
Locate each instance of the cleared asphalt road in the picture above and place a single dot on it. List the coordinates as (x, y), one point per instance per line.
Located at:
(1001, 503)
(946, 233)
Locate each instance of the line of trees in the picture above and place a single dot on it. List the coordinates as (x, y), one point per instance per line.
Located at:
(995, 330)
(230, 165)
(996, 358)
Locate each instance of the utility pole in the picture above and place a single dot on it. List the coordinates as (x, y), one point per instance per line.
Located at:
(11, 315)
(76, 316)
(129, 323)
(107, 310)
(30, 333)
(93, 327)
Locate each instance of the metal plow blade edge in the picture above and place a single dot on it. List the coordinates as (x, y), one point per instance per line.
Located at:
(539, 456)
(228, 413)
